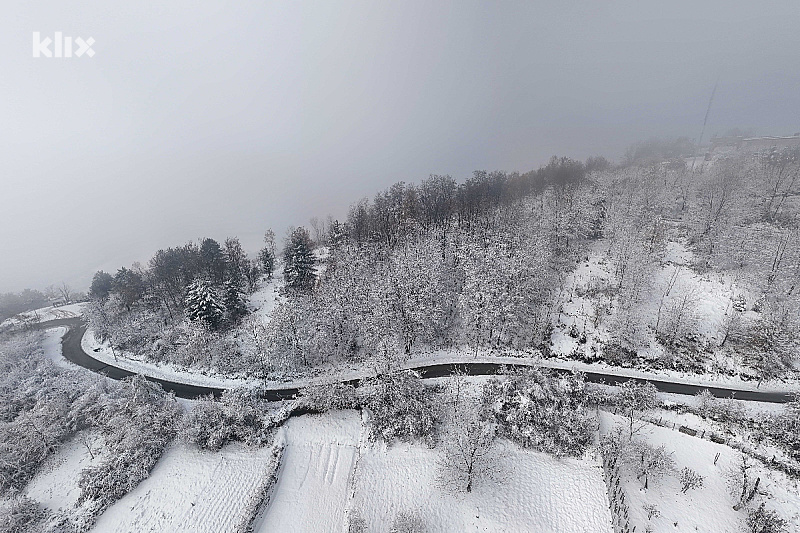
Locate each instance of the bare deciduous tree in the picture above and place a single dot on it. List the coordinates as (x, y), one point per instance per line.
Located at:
(65, 291)
(741, 483)
(634, 399)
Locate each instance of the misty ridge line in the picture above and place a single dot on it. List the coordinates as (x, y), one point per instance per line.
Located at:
(638, 152)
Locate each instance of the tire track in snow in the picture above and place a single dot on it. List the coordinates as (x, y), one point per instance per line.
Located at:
(312, 491)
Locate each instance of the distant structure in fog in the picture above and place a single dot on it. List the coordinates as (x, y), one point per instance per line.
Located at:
(753, 144)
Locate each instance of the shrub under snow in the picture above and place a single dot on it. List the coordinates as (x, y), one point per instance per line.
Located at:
(541, 410)
(21, 514)
(238, 416)
(321, 398)
(137, 425)
(400, 407)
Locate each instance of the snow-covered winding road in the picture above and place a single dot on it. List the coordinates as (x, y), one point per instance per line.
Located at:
(72, 351)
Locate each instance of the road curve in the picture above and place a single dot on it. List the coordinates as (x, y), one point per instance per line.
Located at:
(72, 351)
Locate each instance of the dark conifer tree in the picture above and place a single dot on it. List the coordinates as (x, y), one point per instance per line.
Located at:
(102, 283)
(202, 304)
(298, 257)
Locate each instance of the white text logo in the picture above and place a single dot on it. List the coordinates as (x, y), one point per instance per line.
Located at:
(62, 46)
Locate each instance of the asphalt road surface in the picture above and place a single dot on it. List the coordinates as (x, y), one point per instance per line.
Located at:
(71, 348)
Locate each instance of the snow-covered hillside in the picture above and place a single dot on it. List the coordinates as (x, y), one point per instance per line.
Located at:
(194, 491)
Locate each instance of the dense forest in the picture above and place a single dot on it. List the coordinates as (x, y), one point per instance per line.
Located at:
(497, 264)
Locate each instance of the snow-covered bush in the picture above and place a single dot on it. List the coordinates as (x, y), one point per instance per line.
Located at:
(238, 416)
(205, 425)
(356, 523)
(408, 522)
(199, 347)
(542, 410)
(133, 330)
(690, 479)
(763, 520)
(720, 409)
(37, 408)
(321, 398)
(20, 515)
(137, 424)
(400, 407)
(784, 428)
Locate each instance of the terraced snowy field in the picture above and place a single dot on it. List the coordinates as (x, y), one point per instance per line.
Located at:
(193, 491)
(312, 489)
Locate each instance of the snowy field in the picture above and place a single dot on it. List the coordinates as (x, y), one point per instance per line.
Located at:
(311, 493)
(46, 314)
(56, 484)
(194, 491)
(534, 492)
(710, 507)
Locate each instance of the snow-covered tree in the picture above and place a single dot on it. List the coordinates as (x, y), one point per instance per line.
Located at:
(650, 462)
(233, 301)
(400, 407)
(102, 283)
(742, 481)
(203, 304)
(299, 261)
(541, 410)
(468, 449)
(634, 399)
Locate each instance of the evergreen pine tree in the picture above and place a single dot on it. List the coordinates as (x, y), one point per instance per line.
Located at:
(267, 260)
(337, 233)
(298, 269)
(235, 306)
(202, 304)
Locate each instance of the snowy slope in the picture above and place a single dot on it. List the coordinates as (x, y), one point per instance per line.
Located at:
(56, 484)
(312, 489)
(262, 302)
(709, 508)
(193, 491)
(45, 314)
(534, 493)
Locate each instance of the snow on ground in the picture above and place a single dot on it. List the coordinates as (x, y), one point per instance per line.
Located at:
(52, 347)
(703, 302)
(534, 492)
(312, 488)
(708, 508)
(262, 302)
(45, 314)
(126, 361)
(56, 484)
(194, 491)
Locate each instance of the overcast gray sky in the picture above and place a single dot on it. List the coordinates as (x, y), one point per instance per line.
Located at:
(214, 119)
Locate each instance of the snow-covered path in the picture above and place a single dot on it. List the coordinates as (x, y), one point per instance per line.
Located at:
(312, 489)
